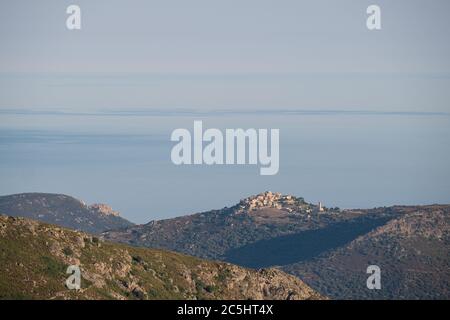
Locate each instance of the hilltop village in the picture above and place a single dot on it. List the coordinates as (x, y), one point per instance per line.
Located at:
(288, 203)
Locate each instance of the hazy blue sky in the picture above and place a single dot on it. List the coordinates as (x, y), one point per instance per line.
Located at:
(225, 54)
(90, 112)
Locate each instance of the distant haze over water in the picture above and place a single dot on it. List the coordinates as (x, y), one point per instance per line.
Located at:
(343, 159)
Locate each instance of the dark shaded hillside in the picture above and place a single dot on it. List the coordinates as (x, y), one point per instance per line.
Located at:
(301, 246)
(62, 210)
(34, 258)
(413, 252)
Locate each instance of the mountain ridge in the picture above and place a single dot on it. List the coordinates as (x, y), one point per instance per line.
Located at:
(63, 210)
(328, 248)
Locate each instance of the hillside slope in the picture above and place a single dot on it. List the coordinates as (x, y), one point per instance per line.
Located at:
(34, 257)
(64, 211)
(413, 252)
(217, 234)
(244, 234)
(329, 249)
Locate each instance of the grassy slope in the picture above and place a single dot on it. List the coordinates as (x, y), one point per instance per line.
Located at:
(34, 257)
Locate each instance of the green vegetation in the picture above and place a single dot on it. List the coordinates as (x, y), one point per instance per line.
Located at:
(52, 267)
(67, 251)
(34, 258)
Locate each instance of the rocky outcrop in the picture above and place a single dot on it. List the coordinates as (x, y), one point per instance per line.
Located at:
(103, 209)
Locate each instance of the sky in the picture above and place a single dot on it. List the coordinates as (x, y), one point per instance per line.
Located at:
(97, 105)
(225, 54)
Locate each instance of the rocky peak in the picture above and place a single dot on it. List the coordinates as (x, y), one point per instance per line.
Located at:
(103, 209)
